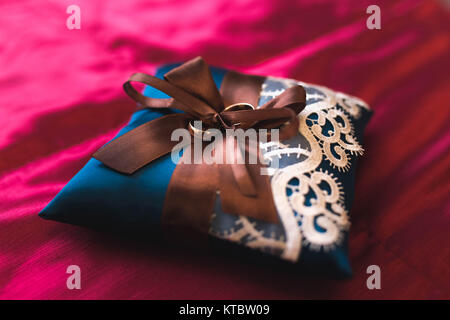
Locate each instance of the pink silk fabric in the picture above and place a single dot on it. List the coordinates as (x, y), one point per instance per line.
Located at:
(61, 99)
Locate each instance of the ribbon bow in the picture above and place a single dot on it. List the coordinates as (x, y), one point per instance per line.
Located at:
(193, 188)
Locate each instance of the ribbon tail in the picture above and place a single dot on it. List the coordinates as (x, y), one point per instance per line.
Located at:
(142, 145)
(239, 169)
(243, 189)
(190, 196)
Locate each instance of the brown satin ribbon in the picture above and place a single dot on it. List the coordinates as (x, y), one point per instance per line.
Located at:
(192, 190)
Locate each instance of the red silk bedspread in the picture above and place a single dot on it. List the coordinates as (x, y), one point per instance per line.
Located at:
(61, 99)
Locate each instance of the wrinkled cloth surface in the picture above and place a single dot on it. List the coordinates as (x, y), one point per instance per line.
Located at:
(61, 99)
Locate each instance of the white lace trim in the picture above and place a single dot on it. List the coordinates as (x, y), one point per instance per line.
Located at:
(320, 223)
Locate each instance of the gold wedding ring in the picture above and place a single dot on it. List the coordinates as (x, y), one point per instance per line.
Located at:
(198, 133)
(239, 106)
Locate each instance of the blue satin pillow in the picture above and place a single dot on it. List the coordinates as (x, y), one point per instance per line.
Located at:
(313, 187)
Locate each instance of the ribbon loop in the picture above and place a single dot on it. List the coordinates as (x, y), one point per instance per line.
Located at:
(195, 77)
